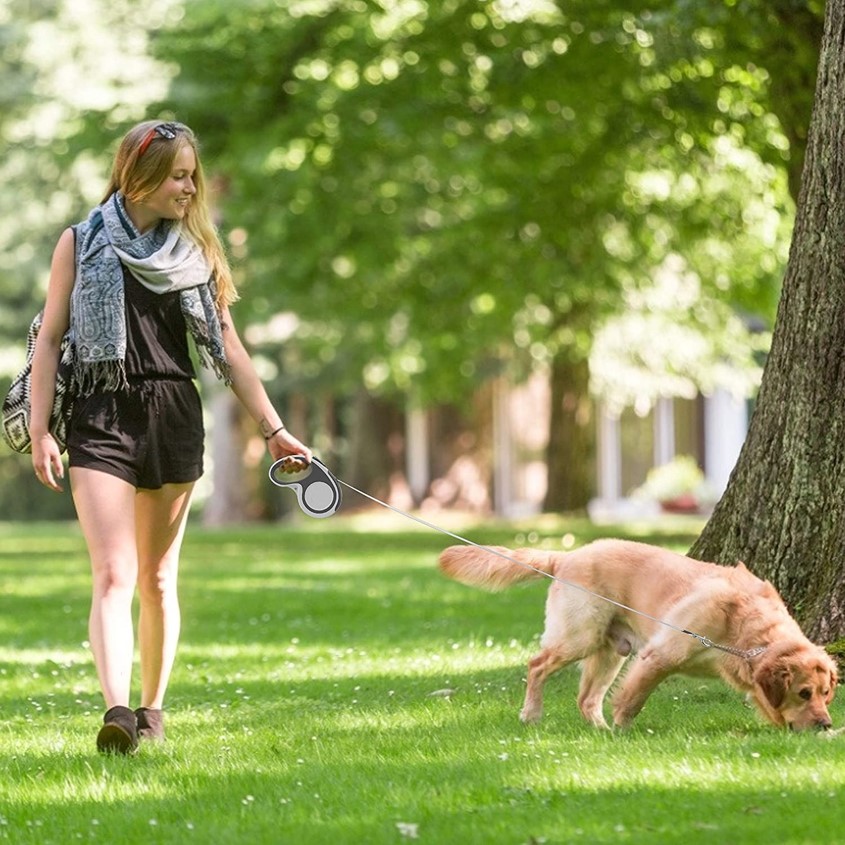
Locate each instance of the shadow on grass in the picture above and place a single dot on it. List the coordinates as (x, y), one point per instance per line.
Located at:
(517, 815)
(441, 770)
(220, 699)
(267, 583)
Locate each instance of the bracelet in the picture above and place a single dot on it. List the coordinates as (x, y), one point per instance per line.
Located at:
(272, 434)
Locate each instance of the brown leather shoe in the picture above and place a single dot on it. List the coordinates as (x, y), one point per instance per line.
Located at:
(119, 734)
(150, 723)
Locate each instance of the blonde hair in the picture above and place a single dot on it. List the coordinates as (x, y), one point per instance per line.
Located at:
(136, 173)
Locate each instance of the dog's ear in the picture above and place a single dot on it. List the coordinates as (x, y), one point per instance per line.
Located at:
(834, 680)
(774, 680)
(742, 567)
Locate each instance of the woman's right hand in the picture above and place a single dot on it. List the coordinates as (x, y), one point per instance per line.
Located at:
(47, 461)
(46, 456)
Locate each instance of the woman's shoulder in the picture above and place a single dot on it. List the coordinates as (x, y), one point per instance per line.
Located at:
(67, 242)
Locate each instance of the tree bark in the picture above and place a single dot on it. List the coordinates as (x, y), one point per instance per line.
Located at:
(783, 512)
(571, 449)
(227, 503)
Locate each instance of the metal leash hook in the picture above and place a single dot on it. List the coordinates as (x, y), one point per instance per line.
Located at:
(317, 490)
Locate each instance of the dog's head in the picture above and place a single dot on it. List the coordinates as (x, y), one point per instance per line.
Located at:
(793, 685)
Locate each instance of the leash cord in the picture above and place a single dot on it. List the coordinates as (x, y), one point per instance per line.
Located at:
(705, 641)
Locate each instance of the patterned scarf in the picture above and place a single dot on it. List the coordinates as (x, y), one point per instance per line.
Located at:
(163, 260)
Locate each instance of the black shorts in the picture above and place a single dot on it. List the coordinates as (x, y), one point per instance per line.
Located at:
(149, 434)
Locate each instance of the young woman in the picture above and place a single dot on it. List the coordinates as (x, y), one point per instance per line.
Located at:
(132, 281)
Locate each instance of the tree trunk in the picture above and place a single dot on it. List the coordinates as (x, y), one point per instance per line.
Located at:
(376, 446)
(227, 503)
(460, 440)
(571, 450)
(783, 512)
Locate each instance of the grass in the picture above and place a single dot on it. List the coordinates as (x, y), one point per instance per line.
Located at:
(332, 687)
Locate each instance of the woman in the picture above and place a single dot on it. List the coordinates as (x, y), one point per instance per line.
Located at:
(132, 281)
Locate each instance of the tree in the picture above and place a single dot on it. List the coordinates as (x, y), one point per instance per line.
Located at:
(57, 66)
(783, 512)
(432, 192)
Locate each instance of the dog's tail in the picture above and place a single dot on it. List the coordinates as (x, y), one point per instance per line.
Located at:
(495, 567)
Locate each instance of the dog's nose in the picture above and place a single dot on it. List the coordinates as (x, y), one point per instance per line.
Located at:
(824, 724)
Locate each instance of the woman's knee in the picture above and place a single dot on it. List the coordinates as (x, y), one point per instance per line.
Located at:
(114, 577)
(157, 585)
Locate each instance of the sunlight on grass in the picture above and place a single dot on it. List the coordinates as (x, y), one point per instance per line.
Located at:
(332, 686)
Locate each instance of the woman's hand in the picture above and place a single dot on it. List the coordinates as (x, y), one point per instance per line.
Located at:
(283, 443)
(47, 461)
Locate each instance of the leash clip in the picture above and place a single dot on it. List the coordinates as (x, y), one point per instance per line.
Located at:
(317, 490)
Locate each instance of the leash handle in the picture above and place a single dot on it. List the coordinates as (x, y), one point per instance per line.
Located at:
(317, 490)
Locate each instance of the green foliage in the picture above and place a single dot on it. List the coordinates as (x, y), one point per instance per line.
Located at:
(430, 187)
(309, 704)
(418, 195)
(672, 341)
(680, 477)
(433, 186)
(58, 66)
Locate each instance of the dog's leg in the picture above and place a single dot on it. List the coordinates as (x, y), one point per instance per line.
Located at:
(540, 667)
(648, 670)
(598, 672)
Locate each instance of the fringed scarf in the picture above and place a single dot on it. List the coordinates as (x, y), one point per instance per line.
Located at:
(163, 259)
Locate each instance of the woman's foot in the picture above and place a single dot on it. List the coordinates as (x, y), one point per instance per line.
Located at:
(119, 734)
(150, 723)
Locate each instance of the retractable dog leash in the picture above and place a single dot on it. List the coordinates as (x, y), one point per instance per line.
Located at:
(319, 495)
(317, 490)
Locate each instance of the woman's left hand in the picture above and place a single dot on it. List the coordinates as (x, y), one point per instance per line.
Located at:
(283, 443)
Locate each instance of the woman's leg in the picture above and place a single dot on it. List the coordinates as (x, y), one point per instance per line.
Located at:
(105, 506)
(160, 517)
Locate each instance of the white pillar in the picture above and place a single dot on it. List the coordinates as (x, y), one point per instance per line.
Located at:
(609, 455)
(416, 450)
(664, 431)
(725, 428)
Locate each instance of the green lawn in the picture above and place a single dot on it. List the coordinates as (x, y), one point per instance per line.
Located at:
(332, 687)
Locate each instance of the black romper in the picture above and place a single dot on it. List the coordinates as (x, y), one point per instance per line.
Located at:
(151, 433)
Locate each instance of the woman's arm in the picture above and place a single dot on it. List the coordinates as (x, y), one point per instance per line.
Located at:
(250, 391)
(46, 458)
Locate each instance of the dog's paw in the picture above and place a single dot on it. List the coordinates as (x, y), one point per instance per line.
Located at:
(530, 716)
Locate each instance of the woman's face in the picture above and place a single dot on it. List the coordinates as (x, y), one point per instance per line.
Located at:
(170, 200)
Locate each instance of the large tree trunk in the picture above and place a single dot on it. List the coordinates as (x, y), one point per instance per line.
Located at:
(571, 449)
(783, 512)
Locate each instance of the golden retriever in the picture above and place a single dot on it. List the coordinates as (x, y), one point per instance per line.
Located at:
(790, 680)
